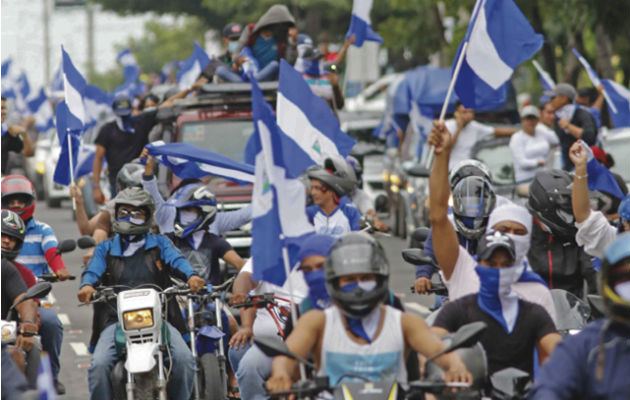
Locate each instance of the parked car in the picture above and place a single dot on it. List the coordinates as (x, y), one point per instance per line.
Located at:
(372, 98)
(616, 142)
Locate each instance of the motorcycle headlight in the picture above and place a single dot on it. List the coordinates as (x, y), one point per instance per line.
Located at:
(40, 167)
(9, 331)
(138, 319)
(395, 179)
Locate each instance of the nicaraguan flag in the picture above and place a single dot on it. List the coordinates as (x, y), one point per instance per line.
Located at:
(278, 202)
(62, 173)
(547, 81)
(42, 111)
(592, 75)
(98, 105)
(74, 88)
(56, 83)
(421, 120)
(85, 160)
(499, 39)
(188, 161)
(599, 177)
(310, 130)
(618, 103)
(189, 72)
(360, 24)
(22, 92)
(45, 383)
(10, 76)
(131, 70)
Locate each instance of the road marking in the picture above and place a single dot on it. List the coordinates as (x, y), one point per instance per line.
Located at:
(65, 320)
(75, 331)
(79, 348)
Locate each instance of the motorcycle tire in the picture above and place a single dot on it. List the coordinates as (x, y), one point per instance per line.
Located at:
(212, 381)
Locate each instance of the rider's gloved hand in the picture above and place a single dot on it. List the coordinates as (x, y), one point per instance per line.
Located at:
(196, 283)
(85, 294)
(63, 274)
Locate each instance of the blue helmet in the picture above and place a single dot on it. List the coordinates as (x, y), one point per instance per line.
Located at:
(624, 211)
(199, 197)
(614, 279)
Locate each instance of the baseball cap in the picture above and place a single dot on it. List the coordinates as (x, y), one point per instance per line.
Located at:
(232, 31)
(493, 240)
(530, 111)
(122, 105)
(562, 89)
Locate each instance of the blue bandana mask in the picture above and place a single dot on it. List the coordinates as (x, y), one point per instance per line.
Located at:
(125, 123)
(316, 281)
(496, 297)
(367, 286)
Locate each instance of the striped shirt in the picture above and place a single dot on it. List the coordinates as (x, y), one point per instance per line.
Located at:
(39, 238)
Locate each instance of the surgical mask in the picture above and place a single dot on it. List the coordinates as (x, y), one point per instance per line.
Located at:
(367, 286)
(316, 281)
(623, 290)
(187, 217)
(521, 246)
(135, 221)
(233, 46)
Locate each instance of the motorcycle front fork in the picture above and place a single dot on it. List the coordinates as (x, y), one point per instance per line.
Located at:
(193, 344)
(161, 383)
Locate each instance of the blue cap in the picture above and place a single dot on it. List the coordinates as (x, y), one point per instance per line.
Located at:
(122, 104)
(624, 208)
(619, 249)
(316, 245)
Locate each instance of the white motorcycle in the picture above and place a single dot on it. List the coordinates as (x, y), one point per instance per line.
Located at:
(141, 339)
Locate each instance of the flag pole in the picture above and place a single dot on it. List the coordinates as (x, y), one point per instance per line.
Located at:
(69, 140)
(287, 271)
(451, 87)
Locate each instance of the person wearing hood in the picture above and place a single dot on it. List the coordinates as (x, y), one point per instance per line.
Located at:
(515, 327)
(458, 266)
(262, 45)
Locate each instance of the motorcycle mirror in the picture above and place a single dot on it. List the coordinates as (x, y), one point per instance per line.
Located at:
(421, 234)
(85, 242)
(510, 383)
(274, 348)
(419, 171)
(416, 257)
(37, 291)
(466, 336)
(66, 246)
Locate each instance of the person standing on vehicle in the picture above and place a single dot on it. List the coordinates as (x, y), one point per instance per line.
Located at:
(39, 254)
(515, 327)
(123, 139)
(595, 363)
(530, 149)
(132, 258)
(359, 335)
(572, 121)
(466, 132)
(457, 265)
(329, 184)
(554, 253)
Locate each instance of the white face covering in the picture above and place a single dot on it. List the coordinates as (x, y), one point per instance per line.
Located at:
(187, 217)
(623, 290)
(521, 247)
(519, 214)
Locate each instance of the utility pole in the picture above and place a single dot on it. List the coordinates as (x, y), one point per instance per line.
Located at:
(46, 24)
(90, 40)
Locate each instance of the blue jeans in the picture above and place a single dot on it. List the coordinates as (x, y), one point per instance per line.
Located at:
(51, 332)
(180, 385)
(269, 73)
(252, 368)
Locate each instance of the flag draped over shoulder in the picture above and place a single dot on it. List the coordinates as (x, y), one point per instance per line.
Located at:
(278, 201)
(499, 39)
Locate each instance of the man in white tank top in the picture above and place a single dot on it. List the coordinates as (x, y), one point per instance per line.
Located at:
(349, 337)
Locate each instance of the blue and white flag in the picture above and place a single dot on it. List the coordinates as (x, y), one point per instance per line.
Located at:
(22, 94)
(592, 75)
(45, 381)
(360, 24)
(98, 105)
(618, 103)
(547, 81)
(85, 160)
(42, 111)
(278, 202)
(62, 174)
(421, 121)
(10, 76)
(188, 161)
(599, 177)
(310, 130)
(131, 70)
(74, 89)
(190, 71)
(499, 39)
(56, 83)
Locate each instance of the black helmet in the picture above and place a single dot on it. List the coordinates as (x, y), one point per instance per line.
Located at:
(200, 197)
(473, 201)
(550, 202)
(137, 197)
(611, 278)
(466, 168)
(129, 175)
(12, 225)
(357, 253)
(337, 174)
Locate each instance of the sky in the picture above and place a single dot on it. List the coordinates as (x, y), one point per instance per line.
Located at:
(22, 36)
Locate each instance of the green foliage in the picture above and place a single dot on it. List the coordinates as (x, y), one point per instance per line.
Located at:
(108, 80)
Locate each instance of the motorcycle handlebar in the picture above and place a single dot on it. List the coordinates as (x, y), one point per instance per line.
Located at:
(53, 278)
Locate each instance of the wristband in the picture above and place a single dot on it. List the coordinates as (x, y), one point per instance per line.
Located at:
(580, 176)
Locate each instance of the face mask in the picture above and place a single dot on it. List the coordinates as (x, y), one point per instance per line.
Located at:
(135, 221)
(233, 46)
(187, 217)
(316, 281)
(496, 297)
(623, 290)
(367, 286)
(521, 246)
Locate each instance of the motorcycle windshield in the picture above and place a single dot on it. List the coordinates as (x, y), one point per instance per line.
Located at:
(571, 312)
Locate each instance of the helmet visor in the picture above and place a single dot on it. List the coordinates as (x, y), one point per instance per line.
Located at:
(473, 197)
(356, 258)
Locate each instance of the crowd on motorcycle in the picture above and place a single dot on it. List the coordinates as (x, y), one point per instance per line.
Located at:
(177, 313)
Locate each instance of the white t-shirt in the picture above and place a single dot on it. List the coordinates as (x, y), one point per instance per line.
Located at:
(464, 281)
(471, 134)
(266, 322)
(595, 234)
(528, 151)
